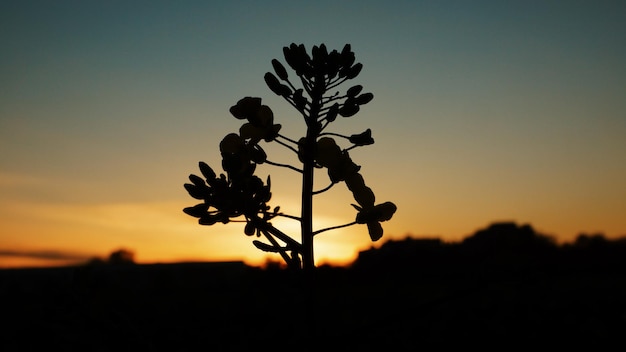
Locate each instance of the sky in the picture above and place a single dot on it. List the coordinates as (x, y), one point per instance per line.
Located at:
(483, 111)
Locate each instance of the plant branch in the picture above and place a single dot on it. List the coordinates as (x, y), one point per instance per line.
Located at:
(324, 189)
(334, 134)
(326, 123)
(306, 85)
(287, 145)
(284, 165)
(289, 216)
(333, 98)
(290, 101)
(336, 83)
(282, 252)
(263, 226)
(287, 139)
(334, 228)
(290, 85)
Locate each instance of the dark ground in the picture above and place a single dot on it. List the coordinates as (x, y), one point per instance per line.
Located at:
(505, 288)
(190, 307)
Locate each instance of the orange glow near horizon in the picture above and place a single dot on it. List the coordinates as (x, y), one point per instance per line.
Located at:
(155, 232)
(480, 114)
(158, 232)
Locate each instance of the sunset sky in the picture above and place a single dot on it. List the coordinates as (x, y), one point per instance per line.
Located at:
(483, 111)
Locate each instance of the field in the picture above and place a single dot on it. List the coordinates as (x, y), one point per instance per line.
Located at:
(233, 307)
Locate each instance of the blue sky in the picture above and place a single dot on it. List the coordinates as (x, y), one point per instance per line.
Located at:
(483, 111)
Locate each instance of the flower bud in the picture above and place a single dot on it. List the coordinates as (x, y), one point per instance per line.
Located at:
(280, 69)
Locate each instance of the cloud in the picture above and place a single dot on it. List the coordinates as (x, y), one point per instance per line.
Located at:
(134, 216)
(45, 254)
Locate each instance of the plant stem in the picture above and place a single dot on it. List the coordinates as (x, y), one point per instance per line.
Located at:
(307, 215)
(308, 160)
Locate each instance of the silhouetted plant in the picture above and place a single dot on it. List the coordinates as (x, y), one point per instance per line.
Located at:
(240, 193)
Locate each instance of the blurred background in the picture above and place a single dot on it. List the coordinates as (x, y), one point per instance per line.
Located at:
(483, 111)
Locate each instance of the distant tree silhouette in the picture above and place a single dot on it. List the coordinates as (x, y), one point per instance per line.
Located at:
(500, 248)
(241, 194)
(509, 237)
(590, 241)
(122, 256)
(116, 257)
(431, 255)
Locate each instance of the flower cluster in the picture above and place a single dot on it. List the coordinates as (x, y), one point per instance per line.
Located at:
(224, 198)
(239, 159)
(322, 63)
(341, 168)
(260, 120)
(239, 193)
(319, 73)
(338, 162)
(373, 215)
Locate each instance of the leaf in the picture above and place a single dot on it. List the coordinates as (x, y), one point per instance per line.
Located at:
(299, 99)
(235, 165)
(322, 52)
(364, 98)
(249, 131)
(380, 212)
(364, 196)
(197, 210)
(295, 59)
(346, 49)
(280, 69)
(327, 152)
(375, 230)
(301, 151)
(195, 191)
(354, 71)
(249, 229)
(273, 83)
(344, 168)
(361, 193)
(264, 195)
(349, 109)
(386, 210)
(347, 58)
(258, 155)
(331, 115)
(245, 107)
(264, 117)
(272, 133)
(196, 180)
(333, 64)
(265, 247)
(353, 91)
(364, 138)
(232, 144)
(237, 112)
(210, 219)
(207, 171)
